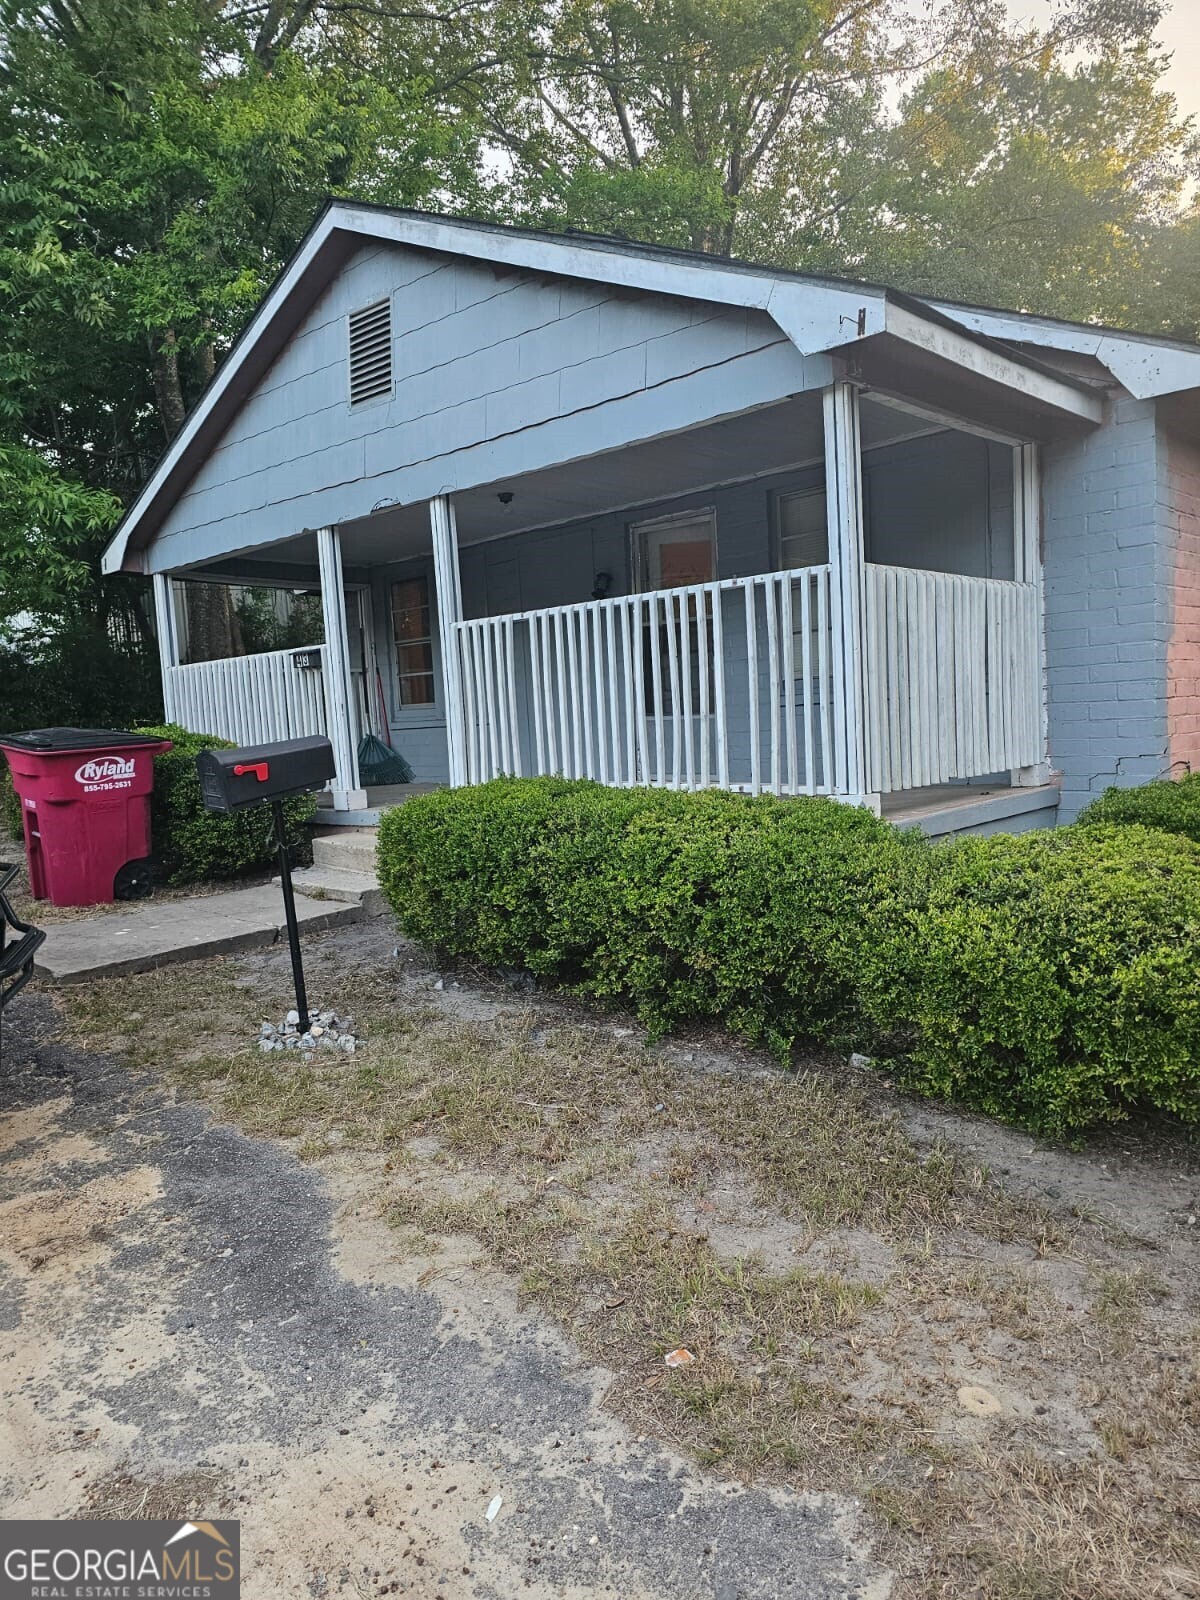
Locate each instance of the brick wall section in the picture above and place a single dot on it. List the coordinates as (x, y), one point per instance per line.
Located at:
(1180, 457)
(1108, 605)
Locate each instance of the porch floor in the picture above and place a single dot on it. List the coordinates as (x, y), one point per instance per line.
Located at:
(951, 808)
(947, 808)
(378, 800)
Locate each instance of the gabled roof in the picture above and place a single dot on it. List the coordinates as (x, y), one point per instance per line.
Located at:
(818, 314)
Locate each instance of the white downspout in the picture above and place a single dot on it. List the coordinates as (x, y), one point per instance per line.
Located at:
(847, 560)
(347, 796)
(448, 583)
(168, 640)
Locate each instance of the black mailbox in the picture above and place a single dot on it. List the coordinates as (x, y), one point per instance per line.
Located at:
(233, 779)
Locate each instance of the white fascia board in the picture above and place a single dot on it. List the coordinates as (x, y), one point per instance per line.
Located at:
(813, 314)
(993, 364)
(1145, 366)
(113, 559)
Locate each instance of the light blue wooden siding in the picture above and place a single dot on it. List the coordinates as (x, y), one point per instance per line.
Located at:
(497, 373)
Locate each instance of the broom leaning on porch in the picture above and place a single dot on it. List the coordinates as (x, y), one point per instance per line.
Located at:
(378, 763)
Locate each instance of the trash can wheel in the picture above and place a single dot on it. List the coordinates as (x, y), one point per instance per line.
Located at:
(135, 880)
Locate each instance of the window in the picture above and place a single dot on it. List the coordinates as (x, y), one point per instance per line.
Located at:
(672, 552)
(414, 641)
(369, 333)
(803, 542)
(803, 530)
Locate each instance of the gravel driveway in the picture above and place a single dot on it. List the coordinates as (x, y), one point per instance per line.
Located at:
(189, 1324)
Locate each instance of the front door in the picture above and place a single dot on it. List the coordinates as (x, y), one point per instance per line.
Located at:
(675, 553)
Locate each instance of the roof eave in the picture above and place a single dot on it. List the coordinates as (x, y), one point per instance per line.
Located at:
(817, 315)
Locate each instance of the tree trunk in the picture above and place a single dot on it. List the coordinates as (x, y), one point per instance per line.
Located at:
(214, 632)
(168, 391)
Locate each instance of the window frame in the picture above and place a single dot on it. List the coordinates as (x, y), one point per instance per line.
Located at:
(649, 525)
(814, 491)
(407, 708)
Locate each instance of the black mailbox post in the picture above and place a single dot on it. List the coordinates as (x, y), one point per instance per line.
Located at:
(269, 774)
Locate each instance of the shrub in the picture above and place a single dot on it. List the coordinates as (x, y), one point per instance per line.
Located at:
(1049, 977)
(684, 905)
(193, 844)
(1172, 805)
(77, 677)
(11, 825)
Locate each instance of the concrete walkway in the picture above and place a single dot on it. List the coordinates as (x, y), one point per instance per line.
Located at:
(155, 935)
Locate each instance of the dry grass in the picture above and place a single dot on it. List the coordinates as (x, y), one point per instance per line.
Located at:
(836, 1283)
(120, 1497)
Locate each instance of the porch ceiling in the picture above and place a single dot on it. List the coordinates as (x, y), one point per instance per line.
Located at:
(754, 444)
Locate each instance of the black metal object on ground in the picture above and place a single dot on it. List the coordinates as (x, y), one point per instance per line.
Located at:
(16, 955)
(253, 775)
(289, 912)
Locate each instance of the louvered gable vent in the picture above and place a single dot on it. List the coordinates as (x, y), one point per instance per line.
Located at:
(370, 352)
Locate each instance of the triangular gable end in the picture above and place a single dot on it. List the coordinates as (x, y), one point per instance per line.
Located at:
(495, 371)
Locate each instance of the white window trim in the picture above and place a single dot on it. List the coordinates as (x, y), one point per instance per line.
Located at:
(638, 530)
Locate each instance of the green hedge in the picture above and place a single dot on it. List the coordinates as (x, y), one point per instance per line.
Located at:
(1173, 805)
(1049, 977)
(678, 903)
(10, 807)
(193, 844)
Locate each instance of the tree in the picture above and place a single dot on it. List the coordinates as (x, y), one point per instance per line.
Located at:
(1026, 168)
(951, 150)
(162, 159)
(657, 117)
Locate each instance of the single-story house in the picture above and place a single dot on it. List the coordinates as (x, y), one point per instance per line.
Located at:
(576, 505)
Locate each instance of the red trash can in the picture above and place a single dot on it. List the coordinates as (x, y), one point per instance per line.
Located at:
(85, 801)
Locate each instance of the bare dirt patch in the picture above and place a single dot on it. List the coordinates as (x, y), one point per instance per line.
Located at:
(850, 1272)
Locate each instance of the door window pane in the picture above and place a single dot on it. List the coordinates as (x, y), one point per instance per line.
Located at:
(414, 641)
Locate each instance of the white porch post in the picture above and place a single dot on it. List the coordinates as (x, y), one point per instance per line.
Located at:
(168, 639)
(847, 558)
(347, 796)
(1027, 568)
(448, 583)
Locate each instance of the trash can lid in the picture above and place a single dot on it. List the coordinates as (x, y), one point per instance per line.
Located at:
(76, 739)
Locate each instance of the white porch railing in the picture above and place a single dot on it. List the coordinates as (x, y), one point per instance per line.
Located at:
(250, 699)
(729, 684)
(952, 679)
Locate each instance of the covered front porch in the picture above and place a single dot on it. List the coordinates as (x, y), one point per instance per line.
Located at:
(838, 594)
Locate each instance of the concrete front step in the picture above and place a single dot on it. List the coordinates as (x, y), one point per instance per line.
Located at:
(345, 850)
(328, 883)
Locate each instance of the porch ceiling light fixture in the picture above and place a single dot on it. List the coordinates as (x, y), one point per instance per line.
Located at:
(505, 497)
